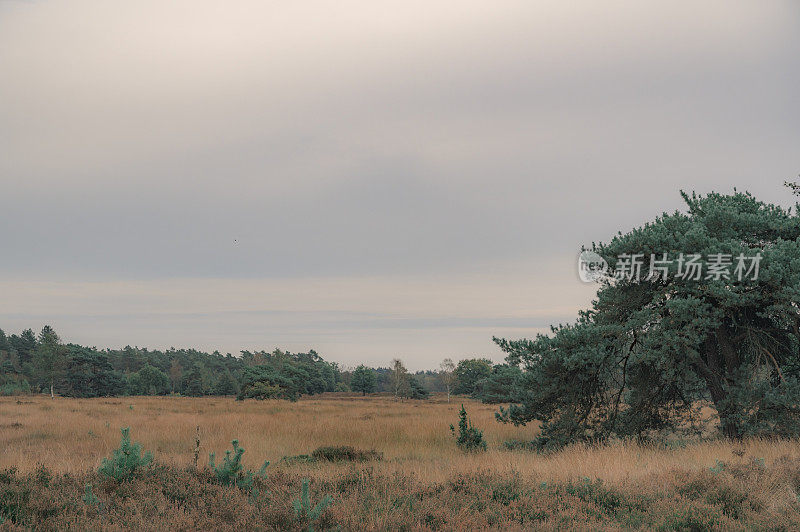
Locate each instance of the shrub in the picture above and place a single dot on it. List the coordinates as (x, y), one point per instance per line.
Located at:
(231, 472)
(89, 498)
(263, 390)
(520, 445)
(127, 460)
(692, 518)
(606, 499)
(20, 387)
(345, 454)
(469, 438)
(304, 511)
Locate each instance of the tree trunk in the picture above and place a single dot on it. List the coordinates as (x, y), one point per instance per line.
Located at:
(717, 377)
(52, 395)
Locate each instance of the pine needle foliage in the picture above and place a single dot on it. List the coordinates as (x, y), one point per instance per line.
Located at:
(89, 498)
(469, 438)
(659, 343)
(231, 472)
(305, 512)
(127, 461)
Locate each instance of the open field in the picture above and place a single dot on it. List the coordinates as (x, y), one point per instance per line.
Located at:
(423, 482)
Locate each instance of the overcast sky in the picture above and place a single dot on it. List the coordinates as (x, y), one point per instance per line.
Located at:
(369, 179)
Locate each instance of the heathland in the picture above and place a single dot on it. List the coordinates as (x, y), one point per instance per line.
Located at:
(417, 479)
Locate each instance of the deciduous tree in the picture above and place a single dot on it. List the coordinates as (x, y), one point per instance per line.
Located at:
(447, 375)
(399, 376)
(468, 372)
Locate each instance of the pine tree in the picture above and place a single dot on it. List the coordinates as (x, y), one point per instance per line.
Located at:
(363, 380)
(226, 385)
(469, 438)
(650, 348)
(175, 374)
(193, 386)
(49, 357)
(127, 460)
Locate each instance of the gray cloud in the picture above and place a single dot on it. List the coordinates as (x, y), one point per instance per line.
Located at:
(363, 139)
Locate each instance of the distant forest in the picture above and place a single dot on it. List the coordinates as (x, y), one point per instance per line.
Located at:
(41, 363)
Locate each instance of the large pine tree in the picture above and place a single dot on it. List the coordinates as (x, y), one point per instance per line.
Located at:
(648, 352)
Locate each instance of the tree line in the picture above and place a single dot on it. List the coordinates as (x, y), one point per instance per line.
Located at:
(42, 363)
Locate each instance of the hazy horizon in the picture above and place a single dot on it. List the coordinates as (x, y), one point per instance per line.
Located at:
(368, 180)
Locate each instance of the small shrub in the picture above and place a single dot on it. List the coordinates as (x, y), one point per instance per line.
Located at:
(127, 460)
(469, 438)
(719, 467)
(345, 453)
(731, 500)
(7, 475)
(507, 492)
(692, 518)
(15, 388)
(519, 445)
(304, 511)
(89, 497)
(231, 472)
(606, 499)
(42, 475)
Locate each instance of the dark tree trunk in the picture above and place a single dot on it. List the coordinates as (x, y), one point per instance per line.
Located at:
(719, 361)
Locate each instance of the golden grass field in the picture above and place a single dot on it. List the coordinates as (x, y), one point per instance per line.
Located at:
(72, 435)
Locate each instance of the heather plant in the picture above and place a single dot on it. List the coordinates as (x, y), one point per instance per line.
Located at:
(127, 460)
(469, 438)
(305, 512)
(690, 497)
(231, 472)
(345, 453)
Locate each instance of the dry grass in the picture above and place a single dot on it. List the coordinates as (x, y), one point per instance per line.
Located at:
(71, 436)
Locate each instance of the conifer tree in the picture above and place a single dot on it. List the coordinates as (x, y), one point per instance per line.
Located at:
(49, 357)
(640, 360)
(363, 380)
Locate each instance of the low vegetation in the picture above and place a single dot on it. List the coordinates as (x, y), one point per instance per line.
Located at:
(231, 472)
(305, 511)
(468, 438)
(746, 494)
(423, 482)
(127, 461)
(345, 453)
